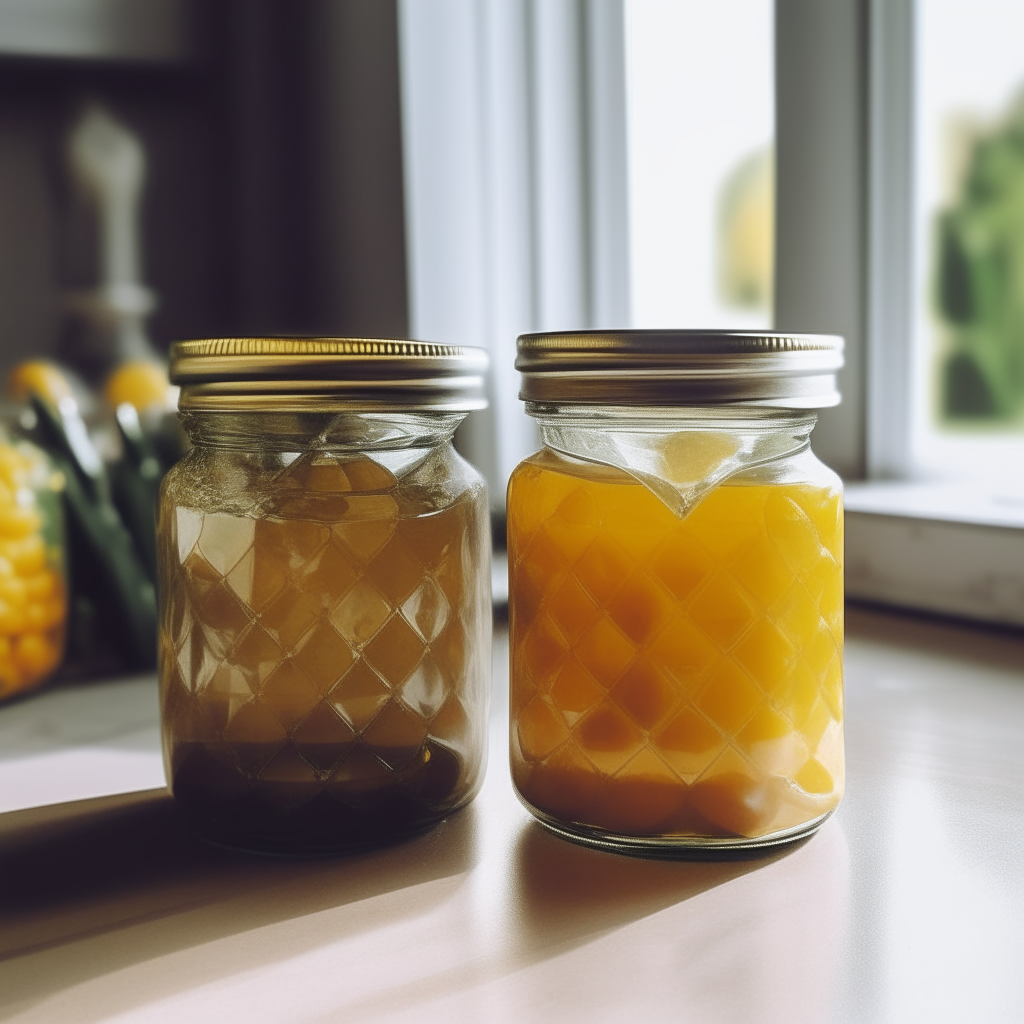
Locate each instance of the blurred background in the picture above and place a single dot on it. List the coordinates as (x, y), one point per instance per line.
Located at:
(459, 171)
(968, 237)
(463, 171)
(168, 169)
(272, 198)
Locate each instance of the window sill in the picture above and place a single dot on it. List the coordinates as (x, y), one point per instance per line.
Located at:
(952, 549)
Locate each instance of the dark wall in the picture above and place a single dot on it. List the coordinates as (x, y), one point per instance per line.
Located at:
(321, 228)
(273, 200)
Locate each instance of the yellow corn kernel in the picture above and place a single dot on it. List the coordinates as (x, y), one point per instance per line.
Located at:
(43, 615)
(10, 679)
(19, 521)
(13, 590)
(12, 619)
(38, 587)
(36, 654)
(27, 554)
(11, 468)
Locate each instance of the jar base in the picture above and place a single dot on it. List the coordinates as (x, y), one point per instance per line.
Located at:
(236, 811)
(676, 847)
(260, 844)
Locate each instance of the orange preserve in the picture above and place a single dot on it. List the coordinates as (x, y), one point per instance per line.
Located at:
(325, 597)
(676, 617)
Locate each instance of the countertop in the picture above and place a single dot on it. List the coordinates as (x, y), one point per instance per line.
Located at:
(907, 906)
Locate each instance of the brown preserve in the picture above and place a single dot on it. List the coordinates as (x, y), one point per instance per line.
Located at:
(325, 628)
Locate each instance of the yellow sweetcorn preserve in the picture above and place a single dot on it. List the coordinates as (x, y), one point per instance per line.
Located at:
(33, 587)
(676, 591)
(325, 592)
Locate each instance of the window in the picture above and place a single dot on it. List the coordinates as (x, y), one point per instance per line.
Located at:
(700, 115)
(968, 241)
(947, 532)
(514, 151)
(603, 163)
(518, 117)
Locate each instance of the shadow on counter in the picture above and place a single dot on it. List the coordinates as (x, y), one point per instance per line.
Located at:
(94, 886)
(563, 893)
(558, 898)
(116, 906)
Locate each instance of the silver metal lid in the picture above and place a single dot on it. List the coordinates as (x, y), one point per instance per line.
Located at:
(671, 368)
(327, 375)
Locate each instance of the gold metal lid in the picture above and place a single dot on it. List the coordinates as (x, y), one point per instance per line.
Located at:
(327, 375)
(794, 371)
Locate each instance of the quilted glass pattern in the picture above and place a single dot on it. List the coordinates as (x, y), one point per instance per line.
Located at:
(324, 680)
(675, 676)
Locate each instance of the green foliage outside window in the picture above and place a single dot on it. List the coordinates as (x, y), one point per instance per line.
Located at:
(980, 282)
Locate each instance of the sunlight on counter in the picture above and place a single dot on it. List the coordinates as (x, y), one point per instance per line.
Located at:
(907, 906)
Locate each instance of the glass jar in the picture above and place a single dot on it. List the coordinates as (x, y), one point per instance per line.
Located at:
(325, 612)
(676, 590)
(33, 577)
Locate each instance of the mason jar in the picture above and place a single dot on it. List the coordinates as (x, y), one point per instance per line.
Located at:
(676, 590)
(325, 604)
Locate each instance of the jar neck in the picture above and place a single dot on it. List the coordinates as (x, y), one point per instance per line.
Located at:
(679, 454)
(671, 420)
(340, 432)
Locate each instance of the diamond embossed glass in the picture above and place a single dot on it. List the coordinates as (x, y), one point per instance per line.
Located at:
(325, 592)
(676, 591)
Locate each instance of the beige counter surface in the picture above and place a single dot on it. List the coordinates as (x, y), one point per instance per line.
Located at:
(907, 906)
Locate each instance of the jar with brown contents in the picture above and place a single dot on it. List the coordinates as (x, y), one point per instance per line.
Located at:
(325, 592)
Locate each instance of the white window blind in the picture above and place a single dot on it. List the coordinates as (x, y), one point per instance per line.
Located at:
(515, 168)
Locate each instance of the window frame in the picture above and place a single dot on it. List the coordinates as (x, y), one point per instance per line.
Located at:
(844, 138)
(518, 220)
(844, 96)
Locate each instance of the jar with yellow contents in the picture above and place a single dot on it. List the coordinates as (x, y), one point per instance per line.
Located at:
(33, 586)
(325, 614)
(676, 590)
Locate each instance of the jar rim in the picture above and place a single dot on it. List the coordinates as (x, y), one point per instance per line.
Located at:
(680, 367)
(322, 374)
